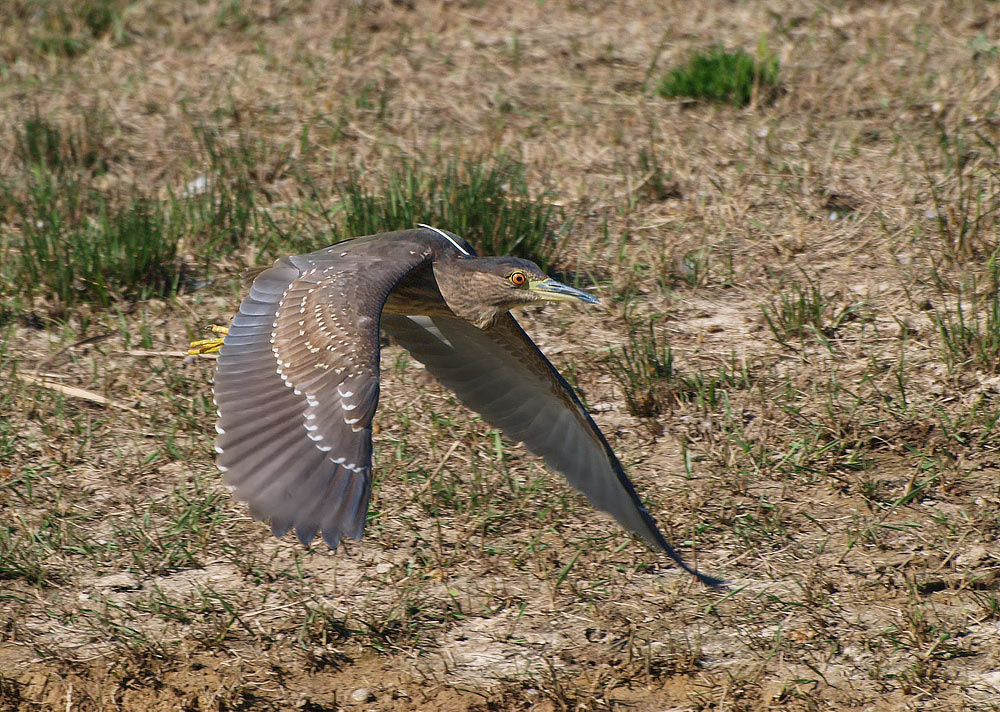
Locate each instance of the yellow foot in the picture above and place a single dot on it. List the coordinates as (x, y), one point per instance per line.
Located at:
(208, 346)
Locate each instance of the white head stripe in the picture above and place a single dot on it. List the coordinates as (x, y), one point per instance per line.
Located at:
(447, 237)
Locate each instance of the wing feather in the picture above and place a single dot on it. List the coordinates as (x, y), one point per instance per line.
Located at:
(297, 385)
(518, 378)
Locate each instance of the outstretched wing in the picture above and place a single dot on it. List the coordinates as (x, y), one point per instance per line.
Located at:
(501, 374)
(297, 385)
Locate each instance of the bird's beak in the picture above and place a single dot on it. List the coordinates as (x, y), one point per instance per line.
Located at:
(558, 292)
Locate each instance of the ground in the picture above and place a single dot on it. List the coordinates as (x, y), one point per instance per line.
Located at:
(819, 262)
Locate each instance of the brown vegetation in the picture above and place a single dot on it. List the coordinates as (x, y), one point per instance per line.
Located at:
(820, 263)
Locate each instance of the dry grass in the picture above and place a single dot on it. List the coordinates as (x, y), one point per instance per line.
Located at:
(832, 450)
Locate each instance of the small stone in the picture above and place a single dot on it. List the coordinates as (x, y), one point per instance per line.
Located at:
(362, 694)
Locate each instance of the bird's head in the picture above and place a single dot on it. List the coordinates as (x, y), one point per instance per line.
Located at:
(480, 289)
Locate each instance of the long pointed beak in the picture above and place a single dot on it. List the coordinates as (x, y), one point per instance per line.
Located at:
(558, 292)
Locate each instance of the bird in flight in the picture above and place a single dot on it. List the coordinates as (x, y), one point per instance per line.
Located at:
(297, 380)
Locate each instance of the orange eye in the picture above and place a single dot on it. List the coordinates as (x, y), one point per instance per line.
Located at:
(518, 279)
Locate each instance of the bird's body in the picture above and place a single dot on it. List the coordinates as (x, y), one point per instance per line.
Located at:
(298, 377)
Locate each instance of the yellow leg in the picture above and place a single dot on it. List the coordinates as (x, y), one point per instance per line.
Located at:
(208, 346)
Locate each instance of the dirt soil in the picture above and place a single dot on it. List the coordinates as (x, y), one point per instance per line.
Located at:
(825, 445)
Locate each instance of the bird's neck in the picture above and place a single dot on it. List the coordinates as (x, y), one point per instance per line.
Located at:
(456, 280)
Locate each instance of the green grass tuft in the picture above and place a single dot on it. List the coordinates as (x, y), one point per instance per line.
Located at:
(964, 183)
(719, 75)
(75, 244)
(803, 310)
(70, 29)
(223, 214)
(645, 370)
(485, 200)
(41, 145)
(968, 324)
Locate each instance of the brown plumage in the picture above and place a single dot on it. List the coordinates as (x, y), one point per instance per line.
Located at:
(298, 377)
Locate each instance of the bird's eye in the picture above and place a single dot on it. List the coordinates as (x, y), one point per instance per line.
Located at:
(518, 279)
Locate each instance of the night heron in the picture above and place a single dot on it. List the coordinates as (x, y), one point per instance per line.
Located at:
(298, 377)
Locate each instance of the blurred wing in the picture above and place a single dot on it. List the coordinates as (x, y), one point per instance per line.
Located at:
(501, 374)
(297, 385)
